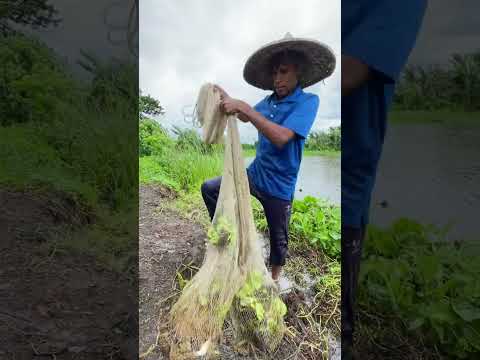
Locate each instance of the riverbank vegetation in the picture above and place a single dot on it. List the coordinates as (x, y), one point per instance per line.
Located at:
(318, 143)
(420, 289)
(74, 139)
(447, 93)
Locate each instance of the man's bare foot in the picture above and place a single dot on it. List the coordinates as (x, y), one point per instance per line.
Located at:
(276, 270)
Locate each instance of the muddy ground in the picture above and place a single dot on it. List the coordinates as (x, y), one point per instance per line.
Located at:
(168, 240)
(56, 304)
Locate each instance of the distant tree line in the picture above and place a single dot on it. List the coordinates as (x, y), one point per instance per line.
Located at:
(325, 140)
(454, 86)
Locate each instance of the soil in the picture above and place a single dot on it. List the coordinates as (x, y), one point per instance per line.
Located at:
(166, 241)
(56, 304)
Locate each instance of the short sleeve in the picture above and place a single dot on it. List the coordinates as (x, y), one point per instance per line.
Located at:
(381, 34)
(259, 104)
(301, 119)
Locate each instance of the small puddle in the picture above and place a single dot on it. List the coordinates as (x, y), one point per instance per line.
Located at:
(334, 348)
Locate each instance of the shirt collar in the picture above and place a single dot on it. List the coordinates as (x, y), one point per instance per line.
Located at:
(293, 97)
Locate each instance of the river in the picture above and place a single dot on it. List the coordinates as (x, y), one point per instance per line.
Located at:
(319, 176)
(430, 173)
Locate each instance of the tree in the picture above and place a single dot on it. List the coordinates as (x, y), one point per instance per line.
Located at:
(148, 105)
(35, 13)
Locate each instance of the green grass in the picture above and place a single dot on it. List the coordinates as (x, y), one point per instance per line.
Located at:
(180, 170)
(28, 162)
(441, 117)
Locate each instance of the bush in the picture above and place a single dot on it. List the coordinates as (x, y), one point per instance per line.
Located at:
(33, 84)
(329, 140)
(153, 138)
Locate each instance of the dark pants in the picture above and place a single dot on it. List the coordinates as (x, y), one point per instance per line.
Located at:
(277, 212)
(352, 242)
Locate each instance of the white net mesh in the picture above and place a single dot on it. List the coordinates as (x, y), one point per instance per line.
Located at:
(233, 280)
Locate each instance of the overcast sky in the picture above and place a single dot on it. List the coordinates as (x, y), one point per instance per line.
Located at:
(184, 44)
(448, 27)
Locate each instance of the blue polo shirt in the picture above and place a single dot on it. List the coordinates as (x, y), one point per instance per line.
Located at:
(381, 34)
(274, 171)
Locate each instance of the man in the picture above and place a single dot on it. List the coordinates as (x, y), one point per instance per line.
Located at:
(283, 120)
(377, 37)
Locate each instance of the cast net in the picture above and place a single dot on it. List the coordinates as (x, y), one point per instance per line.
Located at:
(233, 282)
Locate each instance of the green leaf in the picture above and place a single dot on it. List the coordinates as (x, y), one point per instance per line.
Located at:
(466, 311)
(473, 337)
(440, 312)
(429, 267)
(256, 280)
(259, 311)
(279, 307)
(439, 330)
(415, 324)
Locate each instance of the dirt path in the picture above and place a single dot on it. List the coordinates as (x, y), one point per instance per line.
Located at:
(55, 304)
(166, 241)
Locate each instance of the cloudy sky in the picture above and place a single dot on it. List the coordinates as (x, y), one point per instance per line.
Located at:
(447, 27)
(184, 44)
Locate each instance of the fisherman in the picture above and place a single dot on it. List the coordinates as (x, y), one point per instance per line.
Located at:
(283, 120)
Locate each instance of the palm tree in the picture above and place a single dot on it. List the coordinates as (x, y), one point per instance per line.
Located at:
(465, 76)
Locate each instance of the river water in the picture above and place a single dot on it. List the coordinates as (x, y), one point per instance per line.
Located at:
(430, 173)
(319, 176)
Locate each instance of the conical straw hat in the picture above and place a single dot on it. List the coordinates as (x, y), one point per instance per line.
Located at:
(320, 61)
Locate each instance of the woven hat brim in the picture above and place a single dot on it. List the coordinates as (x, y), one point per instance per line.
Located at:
(320, 62)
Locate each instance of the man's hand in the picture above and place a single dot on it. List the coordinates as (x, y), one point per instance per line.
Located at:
(232, 106)
(354, 74)
(223, 93)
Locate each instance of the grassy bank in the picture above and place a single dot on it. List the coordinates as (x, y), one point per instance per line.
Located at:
(61, 138)
(434, 117)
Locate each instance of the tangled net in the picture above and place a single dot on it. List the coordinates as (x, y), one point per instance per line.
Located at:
(233, 281)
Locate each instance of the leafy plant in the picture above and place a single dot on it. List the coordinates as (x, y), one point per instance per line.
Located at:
(221, 233)
(430, 283)
(316, 224)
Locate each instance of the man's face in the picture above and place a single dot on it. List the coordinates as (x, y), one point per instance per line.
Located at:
(285, 79)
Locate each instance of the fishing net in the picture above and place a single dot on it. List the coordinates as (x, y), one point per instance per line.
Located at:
(233, 281)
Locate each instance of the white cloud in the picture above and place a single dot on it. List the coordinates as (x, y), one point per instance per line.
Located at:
(186, 43)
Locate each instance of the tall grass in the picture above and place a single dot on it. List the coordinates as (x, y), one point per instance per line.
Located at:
(181, 171)
(455, 86)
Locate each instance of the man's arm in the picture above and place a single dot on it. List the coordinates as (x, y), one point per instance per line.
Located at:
(354, 74)
(277, 134)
